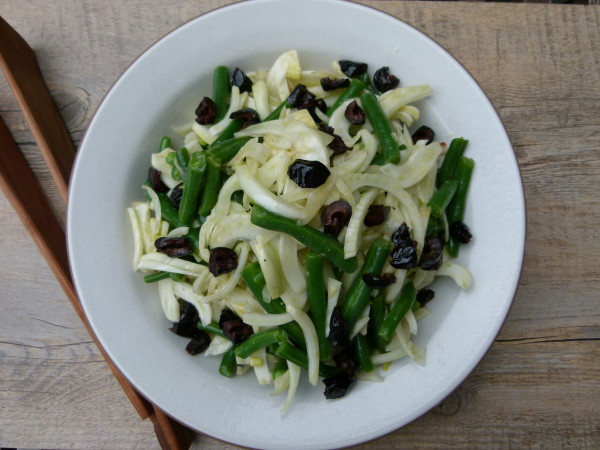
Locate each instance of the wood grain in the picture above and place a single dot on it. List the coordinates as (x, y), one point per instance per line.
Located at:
(538, 386)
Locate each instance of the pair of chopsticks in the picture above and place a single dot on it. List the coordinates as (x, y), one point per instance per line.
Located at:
(27, 198)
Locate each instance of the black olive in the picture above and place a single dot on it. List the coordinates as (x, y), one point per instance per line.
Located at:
(404, 253)
(384, 80)
(233, 327)
(378, 281)
(376, 215)
(339, 339)
(337, 145)
(335, 217)
(301, 98)
(321, 105)
(308, 174)
(337, 385)
(460, 231)
(352, 69)
(222, 260)
(176, 247)
(355, 114)
(188, 321)
(401, 234)
(331, 85)
(155, 181)
(423, 133)
(200, 342)
(424, 296)
(206, 112)
(431, 257)
(239, 79)
(176, 195)
(248, 115)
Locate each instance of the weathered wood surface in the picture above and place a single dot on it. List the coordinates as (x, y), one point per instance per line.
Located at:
(538, 386)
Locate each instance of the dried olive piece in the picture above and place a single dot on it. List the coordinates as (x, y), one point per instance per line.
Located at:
(234, 327)
(206, 112)
(423, 133)
(431, 256)
(352, 69)
(401, 234)
(200, 342)
(322, 106)
(175, 247)
(308, 174)
(404, 253)
(176, 195)
(424, 296)
(337, 145)
(337, 385)
(384, 80)
(329, 84)
(460, 231)
(248, 115)
(376, 215)
(355, 114)
(336, 216)
(155, 181)
(379, 281)
(188, 321)
(301, 98)
(241, 80)
(339, 339)
(222, 260)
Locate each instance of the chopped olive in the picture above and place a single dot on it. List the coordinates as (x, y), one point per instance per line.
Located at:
(301, 98)
(404, 253)
(222, 260)
(329, 84)
(460, 231)
(352, 69)
(241, 80)
(337, 385)
(206, 112)
(355, 114)
(376, 215)
(175, 247)
(401, 234)
(423, 133)
(431, 257)
(424, 296)
(155, 181)
(188, 321)
(321, 105)
(339, 339)
(337, 145)
(176, 195)
(335, 217)
(308, 174)
(248, 115)
(233, 327)
(379, 281)
(200, 342)
(384, 80)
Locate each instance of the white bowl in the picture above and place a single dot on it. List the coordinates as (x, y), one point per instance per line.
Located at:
(162, 88)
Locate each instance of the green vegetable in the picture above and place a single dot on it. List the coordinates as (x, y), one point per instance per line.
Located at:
(381, 127)
(156, 276)
(362, 352)
(221, 90)
(319, 242)
(276, 112)
(228, 364)
(212, 185)
(183, 158)
(225, 151)
(235, 126)
(299, 357)
(212, 328)
(176, 174)
(352, 91)
(398, 311)
(359, 294)
(192, 187)
(447, 170)
(259, 340)
(317, 298)
(280, 368)
(165, 142)
(456, 208)
(440, 200)
(376, 315)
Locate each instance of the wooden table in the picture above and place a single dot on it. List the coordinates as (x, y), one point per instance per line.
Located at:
(539, 385)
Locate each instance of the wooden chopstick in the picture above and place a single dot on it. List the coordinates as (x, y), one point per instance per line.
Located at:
(27, 198)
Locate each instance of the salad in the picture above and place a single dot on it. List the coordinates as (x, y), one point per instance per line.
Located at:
(300, 223)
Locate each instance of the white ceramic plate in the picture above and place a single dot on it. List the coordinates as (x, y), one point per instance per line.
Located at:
(162, 88)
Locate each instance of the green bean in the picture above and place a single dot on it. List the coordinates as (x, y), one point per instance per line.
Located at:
(228, 365)
(156, 276)
(183, 158)
(366, 78)
(300, 358)
(255, 280)
(416, 306)
(456, 209)
(352, 91)
(235, 126)
(221, 89)
(212, 184)
(259, 340)
(398, 311)
(441, 199)
(238, 197)
(165, 142)
(225, 151)
(170, 158)
(212, 328)
(359, 294)
(317, 298)
(276, 112)
(168, 211)
(176, 276)
(176, 174)
(381, 127)
(194, 237)
(378, 160)
(192, 187)
(319, 242)
(362, 352)
(376, 315)
(280, 368)
(447, 170)
(434, 226)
